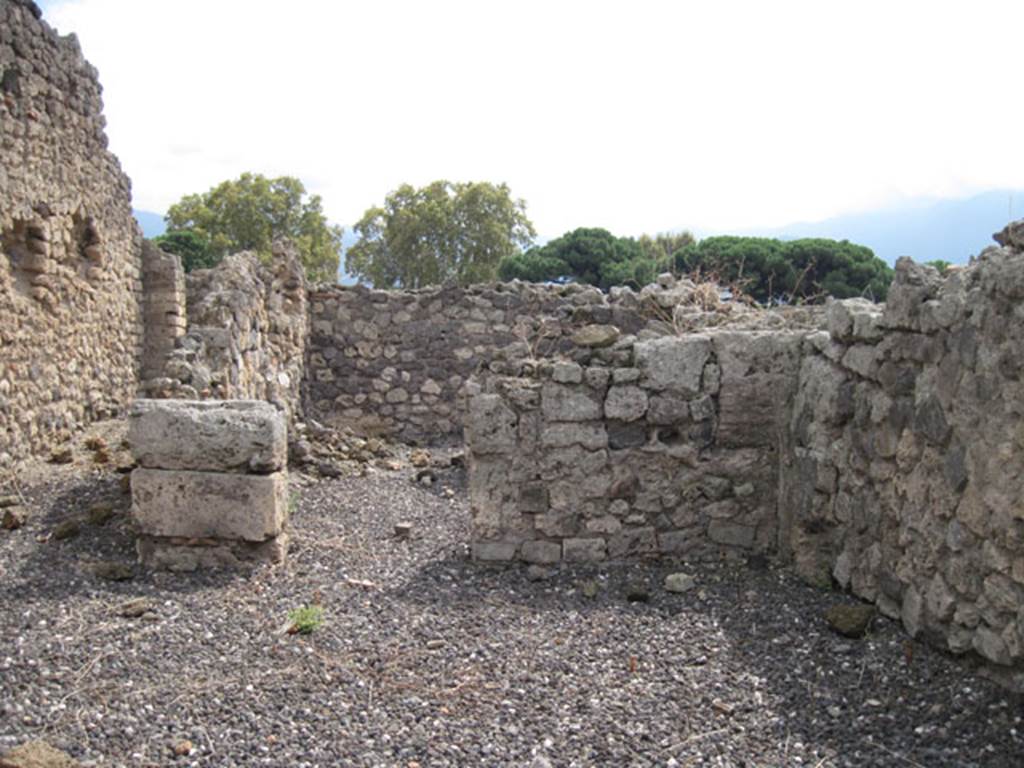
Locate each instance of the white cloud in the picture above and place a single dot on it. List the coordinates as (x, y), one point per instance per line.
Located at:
(635, 117)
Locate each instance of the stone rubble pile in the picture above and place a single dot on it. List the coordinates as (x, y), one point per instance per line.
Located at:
(681, 305)
(327, 449)
(211, 488)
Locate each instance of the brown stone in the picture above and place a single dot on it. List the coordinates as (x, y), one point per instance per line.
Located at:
(13, 518)
(100, 513)
(37, 754)
(596, 336)
(851, 619)
(112, 571)
(62, 456)
(67, 529)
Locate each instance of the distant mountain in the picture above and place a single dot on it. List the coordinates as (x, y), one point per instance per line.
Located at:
(924, 229)
(152, 223)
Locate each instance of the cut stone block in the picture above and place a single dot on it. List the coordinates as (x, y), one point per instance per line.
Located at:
(566, 403)
(209, 504)
(494, 551)
(184, 555)
(731, 534)
(625, 403)
(674, 363)
(541, 552)
(208, 435)
(584, 550)
(492, 425)
(632, 542)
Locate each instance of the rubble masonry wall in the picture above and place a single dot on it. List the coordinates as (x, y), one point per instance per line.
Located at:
(906, 479)
(883, 453)
(247, 329)
(663, 446)
(70, 322)
(396, 362)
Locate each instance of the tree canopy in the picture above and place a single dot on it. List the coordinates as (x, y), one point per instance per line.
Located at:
(766, 269)
(586, 255)
(771, 270)
(661, 247)
(250, 213)
(193, 248)
(443, 231)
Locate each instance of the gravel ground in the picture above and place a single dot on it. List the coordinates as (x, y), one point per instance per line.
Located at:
(427, 659)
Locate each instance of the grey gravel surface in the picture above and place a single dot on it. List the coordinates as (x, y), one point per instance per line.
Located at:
(427, 659)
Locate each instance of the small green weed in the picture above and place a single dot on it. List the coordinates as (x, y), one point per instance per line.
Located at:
(305, 619)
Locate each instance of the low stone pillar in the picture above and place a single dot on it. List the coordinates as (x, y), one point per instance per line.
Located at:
(211, 486)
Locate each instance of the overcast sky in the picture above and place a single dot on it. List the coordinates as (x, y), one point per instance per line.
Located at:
(635, 116)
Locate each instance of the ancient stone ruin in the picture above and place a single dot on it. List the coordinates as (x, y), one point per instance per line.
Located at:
(211, 487)
(876, 446)
(882, 451)
(246, 332)
(70, 252)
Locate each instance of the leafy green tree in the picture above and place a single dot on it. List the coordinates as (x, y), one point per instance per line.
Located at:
(940, 264)
(585, 255)
(772, 271)
(661, 247)
(250, 213)
(193, 248)
(439, 232)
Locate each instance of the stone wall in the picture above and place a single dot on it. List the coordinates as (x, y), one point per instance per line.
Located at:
(70, 325)
(396, 362)
(906, 478)
(247, 334)
(660, 445)
(883, 452)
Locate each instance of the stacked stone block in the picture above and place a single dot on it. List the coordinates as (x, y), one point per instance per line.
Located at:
(164, 316)
(211, 488)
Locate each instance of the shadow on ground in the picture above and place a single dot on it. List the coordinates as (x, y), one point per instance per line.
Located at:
(748, 639)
